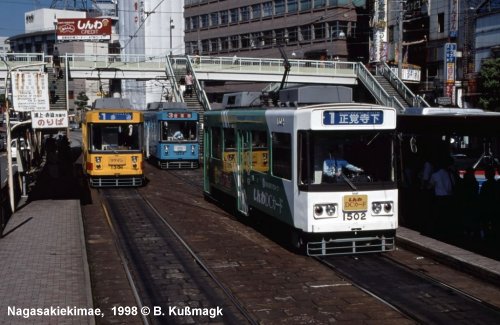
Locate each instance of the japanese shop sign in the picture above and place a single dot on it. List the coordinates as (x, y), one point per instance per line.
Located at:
(53, 119)
(84, 29)
(30, 91)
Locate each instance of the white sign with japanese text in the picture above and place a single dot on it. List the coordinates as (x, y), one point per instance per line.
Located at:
(30, 91)
(53, 119)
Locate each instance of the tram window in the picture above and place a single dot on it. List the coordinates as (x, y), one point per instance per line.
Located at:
(115, 137)
(259, 140)
(363, 157)
(282, 155)
(229, 140)
(216, 143)
(179, 130)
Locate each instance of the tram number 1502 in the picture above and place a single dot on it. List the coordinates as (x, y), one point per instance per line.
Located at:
(354, 216)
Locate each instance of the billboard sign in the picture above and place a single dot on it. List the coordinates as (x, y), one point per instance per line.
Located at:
(83, 29)
(30, 91)
(53, 119)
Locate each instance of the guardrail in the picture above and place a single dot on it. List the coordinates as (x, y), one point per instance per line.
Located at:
(16, 59)
(269, 65)
(376, 90)
(415, 100)
(115, 61)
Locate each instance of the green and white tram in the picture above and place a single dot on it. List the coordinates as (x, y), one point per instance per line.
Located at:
(274, 161)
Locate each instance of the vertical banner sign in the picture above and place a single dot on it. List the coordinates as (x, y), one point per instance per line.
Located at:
(450, 51)
(453, 18)
(378, 44)
(30, 91)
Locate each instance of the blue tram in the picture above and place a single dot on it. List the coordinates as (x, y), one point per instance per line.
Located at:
(171, 135)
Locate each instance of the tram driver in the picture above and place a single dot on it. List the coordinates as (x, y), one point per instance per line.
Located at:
(334, 164)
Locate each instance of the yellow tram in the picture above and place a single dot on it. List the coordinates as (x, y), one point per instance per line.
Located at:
(112, 144)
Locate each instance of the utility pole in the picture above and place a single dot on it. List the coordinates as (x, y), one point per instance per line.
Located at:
(400, 38)
(172, 26)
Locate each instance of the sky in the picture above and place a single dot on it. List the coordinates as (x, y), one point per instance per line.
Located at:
(12, 14)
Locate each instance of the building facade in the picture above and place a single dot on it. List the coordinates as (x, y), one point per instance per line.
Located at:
(153, 28)
(309, 29)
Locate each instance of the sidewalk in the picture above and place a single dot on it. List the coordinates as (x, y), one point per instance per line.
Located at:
(43, 259)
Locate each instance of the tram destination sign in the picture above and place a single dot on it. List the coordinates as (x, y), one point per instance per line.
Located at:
(115, 116)
(353, 117)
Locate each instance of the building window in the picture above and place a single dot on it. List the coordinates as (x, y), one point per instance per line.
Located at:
(338, 29)
(214, 45)
(292, 6)
(245, 14)
(223, 17)
(267, 38)
(245, 41)
(319, 31)
(233, 16)
(256, 11)
(204, 21)
(267, 10)
(293, 34)
(279, 7)
(441, 22)
(205, 46)
(280, 36)
(214, 19)
(195, 22)
(319, 4)
(224, 44)
(305, 31)
(305, 5)
(255, 40)
(235, 42)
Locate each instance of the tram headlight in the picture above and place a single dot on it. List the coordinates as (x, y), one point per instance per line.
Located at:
(383, 207)
(166, 149)
(325, 210)
(98, 160)
(192, 149)
(134, 162)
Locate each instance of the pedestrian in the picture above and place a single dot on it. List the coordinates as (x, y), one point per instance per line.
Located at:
(56, 62)
(488, 198)
(188, 79)
(442, 182)
(52, 92)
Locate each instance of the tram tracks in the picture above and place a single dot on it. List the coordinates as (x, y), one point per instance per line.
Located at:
(413, 294)
(165, 272)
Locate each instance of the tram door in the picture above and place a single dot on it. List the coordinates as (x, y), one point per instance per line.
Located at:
(244, 161)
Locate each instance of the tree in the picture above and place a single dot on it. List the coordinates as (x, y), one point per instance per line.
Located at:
(81, 100)
(489, 83)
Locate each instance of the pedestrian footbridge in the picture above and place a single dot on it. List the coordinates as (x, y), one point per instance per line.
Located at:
(270, 70)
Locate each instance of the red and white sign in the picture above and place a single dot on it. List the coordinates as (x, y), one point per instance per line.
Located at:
(83, 29)
(53, 119)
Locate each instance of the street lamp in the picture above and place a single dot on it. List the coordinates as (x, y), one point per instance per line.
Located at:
(10, 175)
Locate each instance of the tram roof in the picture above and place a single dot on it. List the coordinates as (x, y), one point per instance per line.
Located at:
(456, 111)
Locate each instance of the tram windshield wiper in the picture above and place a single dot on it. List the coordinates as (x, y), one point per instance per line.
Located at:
(348, 181)
(374, 137)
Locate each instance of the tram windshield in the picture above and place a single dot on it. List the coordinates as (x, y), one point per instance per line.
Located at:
(115, 137)
(347, 159)
(178, 131)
